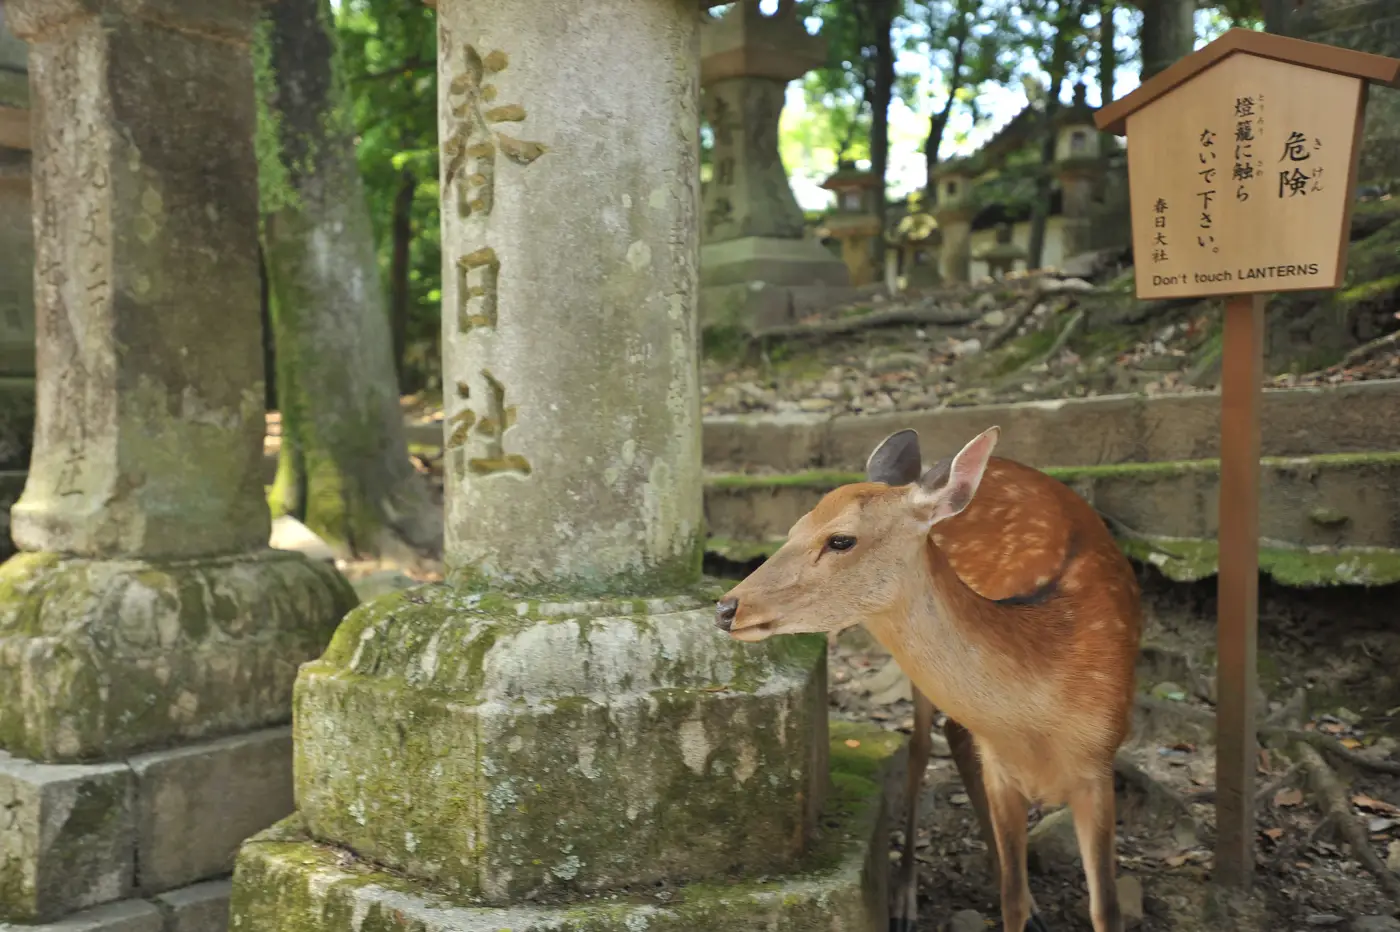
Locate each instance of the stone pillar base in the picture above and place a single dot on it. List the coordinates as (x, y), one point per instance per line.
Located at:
(85, 841)
(100, 659)
(842, 883)
(754, 281)
(200, 907)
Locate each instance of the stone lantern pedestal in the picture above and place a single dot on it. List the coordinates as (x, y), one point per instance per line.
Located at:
(149, 640)
(558, 738)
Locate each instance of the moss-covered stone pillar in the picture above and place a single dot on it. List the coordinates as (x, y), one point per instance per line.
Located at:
(562, 720)
(149, 640)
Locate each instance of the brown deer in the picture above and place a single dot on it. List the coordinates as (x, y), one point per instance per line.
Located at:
(1003, 596)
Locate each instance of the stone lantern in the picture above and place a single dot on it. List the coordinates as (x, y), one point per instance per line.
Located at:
(557, 737)
(916, 240)
(1078, 168)
(954, 210)
(1001, 257)
(853, 221)
(755, 260)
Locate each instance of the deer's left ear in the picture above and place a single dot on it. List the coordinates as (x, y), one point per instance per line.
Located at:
(947, 488)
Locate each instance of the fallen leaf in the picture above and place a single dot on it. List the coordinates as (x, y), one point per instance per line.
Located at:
(1273, 834)
(1374, 805)
(1350, 743)
(1293, 797)
(852, 743)
(1332, 728)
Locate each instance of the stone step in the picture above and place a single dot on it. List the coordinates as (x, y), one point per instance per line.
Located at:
(1356, 417)
(1329, 501)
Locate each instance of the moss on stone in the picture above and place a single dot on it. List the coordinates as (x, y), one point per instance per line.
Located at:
(1191, 560)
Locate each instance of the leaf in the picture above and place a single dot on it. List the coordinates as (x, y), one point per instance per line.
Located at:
(852, 743)
(518, 150)
(1362, 801)
(1350, 743)
(1293, 797)
(1273, 834)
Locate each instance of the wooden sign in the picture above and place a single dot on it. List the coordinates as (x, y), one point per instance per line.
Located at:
(1241, 165)
(1241, 173)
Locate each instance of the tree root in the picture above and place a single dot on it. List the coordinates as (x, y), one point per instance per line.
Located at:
(935, 315)
(1325, 783)
(1014, 320)
(1150, 786)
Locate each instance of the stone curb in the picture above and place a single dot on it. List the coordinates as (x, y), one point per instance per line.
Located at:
(201, 907)
(1337, 500)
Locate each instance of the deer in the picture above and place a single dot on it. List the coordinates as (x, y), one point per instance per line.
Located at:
(1003, 596)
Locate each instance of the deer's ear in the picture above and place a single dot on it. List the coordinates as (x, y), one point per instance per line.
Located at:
(947, 488)
(896, 461)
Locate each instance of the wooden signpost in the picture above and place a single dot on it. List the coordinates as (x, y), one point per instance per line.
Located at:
(1241, 171)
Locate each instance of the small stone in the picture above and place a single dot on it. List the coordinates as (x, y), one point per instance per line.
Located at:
(897, 362)
(290, 534)
(1052, 844)
(940, 747)
(902, 689)
(1348, 716)
(968, 920)
(1130, 900)
(1375, 924)
(816, 404)
(883, 679)
(963, 348)
(994, 318)
(1392, 856)
(985, 302)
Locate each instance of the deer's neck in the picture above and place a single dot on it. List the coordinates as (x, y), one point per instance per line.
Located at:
(973, 657)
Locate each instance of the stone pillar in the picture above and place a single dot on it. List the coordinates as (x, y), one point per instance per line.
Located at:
(16, 278)
(955, 211)
(149, 640)
(561, 719)
(757, 266)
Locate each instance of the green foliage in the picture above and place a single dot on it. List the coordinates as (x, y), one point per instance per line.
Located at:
(389, 54)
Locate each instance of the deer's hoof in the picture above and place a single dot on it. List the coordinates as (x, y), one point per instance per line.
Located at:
(1036, 924)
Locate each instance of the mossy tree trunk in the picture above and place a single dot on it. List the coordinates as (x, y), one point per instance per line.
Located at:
(1168, 33)
(344, 467)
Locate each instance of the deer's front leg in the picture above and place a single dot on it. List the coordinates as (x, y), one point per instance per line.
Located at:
(1095, 825)
(905, 915)
(1008, 814)
(964, 752)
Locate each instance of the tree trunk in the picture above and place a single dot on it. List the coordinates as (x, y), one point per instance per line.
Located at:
(938, 125)
(1168, 33)
(882, 24)
(1108, 55)
(398, 274)
(1040, 207)
(268, 343)
(343, 432)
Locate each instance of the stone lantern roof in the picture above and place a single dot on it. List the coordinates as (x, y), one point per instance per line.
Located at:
(745, 42)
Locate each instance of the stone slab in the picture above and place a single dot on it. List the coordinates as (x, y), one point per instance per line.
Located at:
(202, 907)
(840, 886)
(770, 259)
(457, 738)
(1353, 418)
(753, 307)
(1342, 500)
(67, 837)
(195, 805)
(126, 916)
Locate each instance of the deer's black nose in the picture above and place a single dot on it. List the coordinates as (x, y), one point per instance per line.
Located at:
(724, 613)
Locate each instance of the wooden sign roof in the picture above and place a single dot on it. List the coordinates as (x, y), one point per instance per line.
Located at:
(1373, 68)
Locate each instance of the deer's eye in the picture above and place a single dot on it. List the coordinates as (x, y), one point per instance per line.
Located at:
(840, 543)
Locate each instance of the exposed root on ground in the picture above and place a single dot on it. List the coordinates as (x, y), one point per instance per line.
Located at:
(1325, 783)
